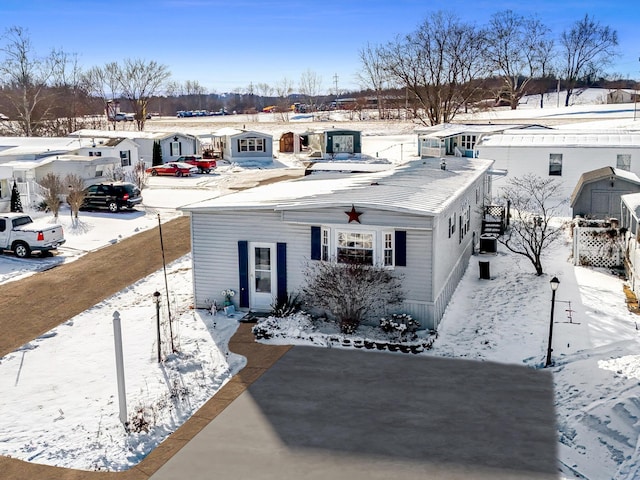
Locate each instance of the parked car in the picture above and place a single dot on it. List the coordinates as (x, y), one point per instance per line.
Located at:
(177, 169)
(113, 196)
(203, 165)
(3, 117)
(122, 117)
(21, 235)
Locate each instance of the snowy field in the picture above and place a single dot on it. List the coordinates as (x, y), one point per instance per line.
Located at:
(61, 412)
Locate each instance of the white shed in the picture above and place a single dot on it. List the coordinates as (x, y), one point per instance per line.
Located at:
(417, 219)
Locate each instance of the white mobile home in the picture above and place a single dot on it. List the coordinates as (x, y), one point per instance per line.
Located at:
(418, 219)
(459, 140)
(245, 147)
(560, 154)
(172, 144)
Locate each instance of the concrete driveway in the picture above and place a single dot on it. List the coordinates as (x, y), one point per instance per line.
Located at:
(333, 414)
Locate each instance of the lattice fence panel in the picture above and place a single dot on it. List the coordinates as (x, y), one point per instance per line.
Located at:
(596, 248)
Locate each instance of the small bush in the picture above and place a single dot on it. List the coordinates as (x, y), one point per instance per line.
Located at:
(401, 324)
(283, 308)
(352, 292)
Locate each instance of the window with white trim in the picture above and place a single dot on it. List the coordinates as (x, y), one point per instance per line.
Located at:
(387, 251)
(354, 247)
(623, 161)
(555, 164)
(467, 141)
(125, 158)
(369, 247)
(251, 145)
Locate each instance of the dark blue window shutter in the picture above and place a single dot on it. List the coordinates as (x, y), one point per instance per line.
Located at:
(316, 243)
(401, 248)
(281, 267)
(243, 272)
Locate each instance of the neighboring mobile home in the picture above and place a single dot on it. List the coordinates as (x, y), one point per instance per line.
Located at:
(418, 219)
(560, 154)
(448, 139)
(244, 147)
(334, 143)
(172, 144)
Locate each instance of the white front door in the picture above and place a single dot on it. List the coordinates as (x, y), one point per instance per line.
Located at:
(262, 275)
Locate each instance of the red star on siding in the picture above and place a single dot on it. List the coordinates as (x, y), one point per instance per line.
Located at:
(354, 216)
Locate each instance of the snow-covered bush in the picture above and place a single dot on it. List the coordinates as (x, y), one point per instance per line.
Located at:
(401, 324)
(350, 293)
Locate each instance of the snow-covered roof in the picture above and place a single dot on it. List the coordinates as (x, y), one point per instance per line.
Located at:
(30, 164)
(132, 135)
(561, 139)
(599, 174)
(420, 187)
(444, 130)
(632, 201)
(38, 145)
(231, 132)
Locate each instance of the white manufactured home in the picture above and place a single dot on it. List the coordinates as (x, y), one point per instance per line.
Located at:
(561, 154)
(172, 144)
(244, 147)
(419, 219)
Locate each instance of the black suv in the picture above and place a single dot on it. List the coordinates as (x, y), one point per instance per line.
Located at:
(112, 195)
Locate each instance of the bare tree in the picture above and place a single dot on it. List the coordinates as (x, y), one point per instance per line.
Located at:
(102, 82)
(587, 47)
(373, 74)
(535, 203)
(75, 194)
(138, 175)
(438, 64)
(53, 188)
(512, 50)
(351, 292)
(310, 87)
(140, 80)
(284, 88)
(27, 77)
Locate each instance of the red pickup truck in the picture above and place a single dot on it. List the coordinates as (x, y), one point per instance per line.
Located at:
(204, 165)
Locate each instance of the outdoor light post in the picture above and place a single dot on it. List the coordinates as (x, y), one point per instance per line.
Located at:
(156, 300)
(555, 283)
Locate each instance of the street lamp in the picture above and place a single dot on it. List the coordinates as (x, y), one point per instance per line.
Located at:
(156, 300)
(555, 283)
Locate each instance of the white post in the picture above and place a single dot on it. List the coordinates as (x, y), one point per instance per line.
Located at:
(122, 394)
(576, 248)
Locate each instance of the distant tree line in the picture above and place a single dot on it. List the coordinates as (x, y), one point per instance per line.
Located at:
(444, 67)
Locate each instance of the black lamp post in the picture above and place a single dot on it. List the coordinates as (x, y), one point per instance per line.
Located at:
(555, 283)
(156, 300)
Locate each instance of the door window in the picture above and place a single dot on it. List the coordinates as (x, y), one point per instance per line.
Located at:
(263, 269)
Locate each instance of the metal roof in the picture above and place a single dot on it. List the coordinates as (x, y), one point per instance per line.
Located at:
(561, 139)
(599, 174)
(419, 187)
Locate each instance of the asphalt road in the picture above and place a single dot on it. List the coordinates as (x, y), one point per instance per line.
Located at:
(34, 305)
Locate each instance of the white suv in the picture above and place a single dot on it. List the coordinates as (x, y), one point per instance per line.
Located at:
(121, 116)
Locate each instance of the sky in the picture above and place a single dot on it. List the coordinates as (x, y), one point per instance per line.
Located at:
(226, 46)
(505, 319)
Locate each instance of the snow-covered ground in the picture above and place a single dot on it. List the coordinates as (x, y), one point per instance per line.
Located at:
(60, 404)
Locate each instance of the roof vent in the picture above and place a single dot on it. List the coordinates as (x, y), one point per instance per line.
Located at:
(443, 164)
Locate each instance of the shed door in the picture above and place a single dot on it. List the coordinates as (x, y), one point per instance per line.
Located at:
(343, 144)
(600, 204)
(262, 275)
